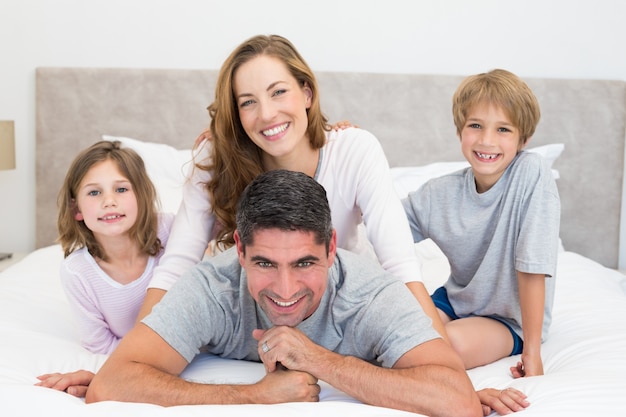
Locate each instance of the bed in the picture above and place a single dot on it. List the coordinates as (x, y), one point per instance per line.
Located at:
(159, 112)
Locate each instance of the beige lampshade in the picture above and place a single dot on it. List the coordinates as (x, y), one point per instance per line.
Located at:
(7, 144)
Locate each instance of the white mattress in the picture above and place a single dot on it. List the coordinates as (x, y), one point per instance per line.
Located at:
(584, 357)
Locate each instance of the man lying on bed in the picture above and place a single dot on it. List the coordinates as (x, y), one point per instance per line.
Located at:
(288, 297)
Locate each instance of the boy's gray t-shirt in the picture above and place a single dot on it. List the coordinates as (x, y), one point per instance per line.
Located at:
(365, 312)
(487, 237)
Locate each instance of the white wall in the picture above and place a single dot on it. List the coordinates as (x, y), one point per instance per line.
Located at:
(559, 38)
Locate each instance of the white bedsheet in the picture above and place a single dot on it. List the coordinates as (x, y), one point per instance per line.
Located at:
(584, 357)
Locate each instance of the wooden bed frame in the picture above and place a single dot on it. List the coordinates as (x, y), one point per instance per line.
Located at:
(409, 113)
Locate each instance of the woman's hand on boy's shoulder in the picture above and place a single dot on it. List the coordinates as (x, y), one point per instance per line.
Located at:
(205, 135)
(342, 124)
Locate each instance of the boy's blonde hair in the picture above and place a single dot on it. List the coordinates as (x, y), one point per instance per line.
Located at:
(504, 89)
(74, 234)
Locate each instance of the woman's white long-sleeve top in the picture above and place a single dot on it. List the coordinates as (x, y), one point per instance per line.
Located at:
(355, 173)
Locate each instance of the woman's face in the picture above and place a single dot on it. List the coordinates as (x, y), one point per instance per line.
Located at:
(273, 107)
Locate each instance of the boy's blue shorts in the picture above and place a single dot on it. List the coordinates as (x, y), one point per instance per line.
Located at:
(440, 298)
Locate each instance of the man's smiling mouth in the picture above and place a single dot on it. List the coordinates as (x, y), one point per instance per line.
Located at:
(285, 303)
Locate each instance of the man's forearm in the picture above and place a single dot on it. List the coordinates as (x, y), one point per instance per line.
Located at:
(142, 383)
(433, 390)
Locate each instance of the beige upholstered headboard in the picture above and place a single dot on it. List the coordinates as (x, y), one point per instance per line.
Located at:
(410, 114)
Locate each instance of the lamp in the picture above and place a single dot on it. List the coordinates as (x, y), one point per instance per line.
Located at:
(7, 154)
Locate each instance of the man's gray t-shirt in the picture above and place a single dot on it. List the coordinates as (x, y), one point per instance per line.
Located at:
(365, 312)
(487, 237)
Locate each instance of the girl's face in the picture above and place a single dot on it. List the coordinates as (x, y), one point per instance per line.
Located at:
(105, 201)
(489, 141)
(272, 107)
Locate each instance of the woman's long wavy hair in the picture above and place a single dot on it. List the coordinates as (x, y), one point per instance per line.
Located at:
(74, 234)
(235, 159)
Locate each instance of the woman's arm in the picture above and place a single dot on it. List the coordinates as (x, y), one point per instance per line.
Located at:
(189, 236)
(386, 222)
(419, 291)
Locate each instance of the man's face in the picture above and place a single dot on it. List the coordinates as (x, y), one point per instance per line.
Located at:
(287, 273)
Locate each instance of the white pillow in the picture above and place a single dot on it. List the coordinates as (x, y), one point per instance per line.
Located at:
(550, 153)
(407, 179)
(167, 167)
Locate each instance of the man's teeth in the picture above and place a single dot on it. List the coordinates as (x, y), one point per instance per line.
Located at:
(285, 304)
(276, 130)
(486, 156)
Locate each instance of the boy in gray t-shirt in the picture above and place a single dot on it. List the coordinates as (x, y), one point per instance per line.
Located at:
(497, 222)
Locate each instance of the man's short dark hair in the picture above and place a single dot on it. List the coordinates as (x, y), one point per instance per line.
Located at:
(285, 200)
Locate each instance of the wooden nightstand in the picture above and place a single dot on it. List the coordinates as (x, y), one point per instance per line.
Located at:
(15, 257)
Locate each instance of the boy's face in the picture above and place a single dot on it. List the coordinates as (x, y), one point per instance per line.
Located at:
(489, 141)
